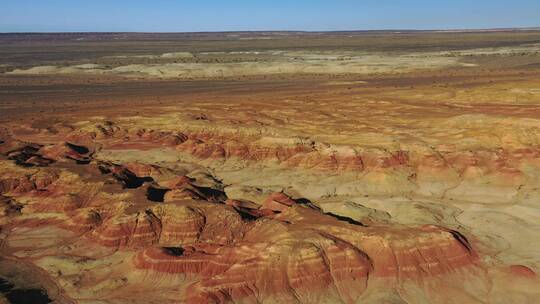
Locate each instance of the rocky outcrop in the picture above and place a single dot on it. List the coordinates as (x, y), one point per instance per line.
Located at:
(306, 252)
(145, 205)
(285, 249)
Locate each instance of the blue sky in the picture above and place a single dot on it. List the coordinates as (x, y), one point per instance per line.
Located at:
(235, 15)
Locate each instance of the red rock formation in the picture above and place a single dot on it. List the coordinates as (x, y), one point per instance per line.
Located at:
(16, 185)
(67, 150)
(522, 271)
(284, 250)
(82, 220)
(310, 254)
(278, 201)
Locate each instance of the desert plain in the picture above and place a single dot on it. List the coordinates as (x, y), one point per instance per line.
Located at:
(270, 167)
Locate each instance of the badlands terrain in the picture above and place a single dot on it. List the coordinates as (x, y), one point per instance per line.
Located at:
(271, 167)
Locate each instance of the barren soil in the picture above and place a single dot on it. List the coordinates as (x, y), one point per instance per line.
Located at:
(354, 167)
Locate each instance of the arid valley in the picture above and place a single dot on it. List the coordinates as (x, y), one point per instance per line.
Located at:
(270, 167)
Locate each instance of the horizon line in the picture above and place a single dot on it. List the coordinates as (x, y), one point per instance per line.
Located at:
(531, 28)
